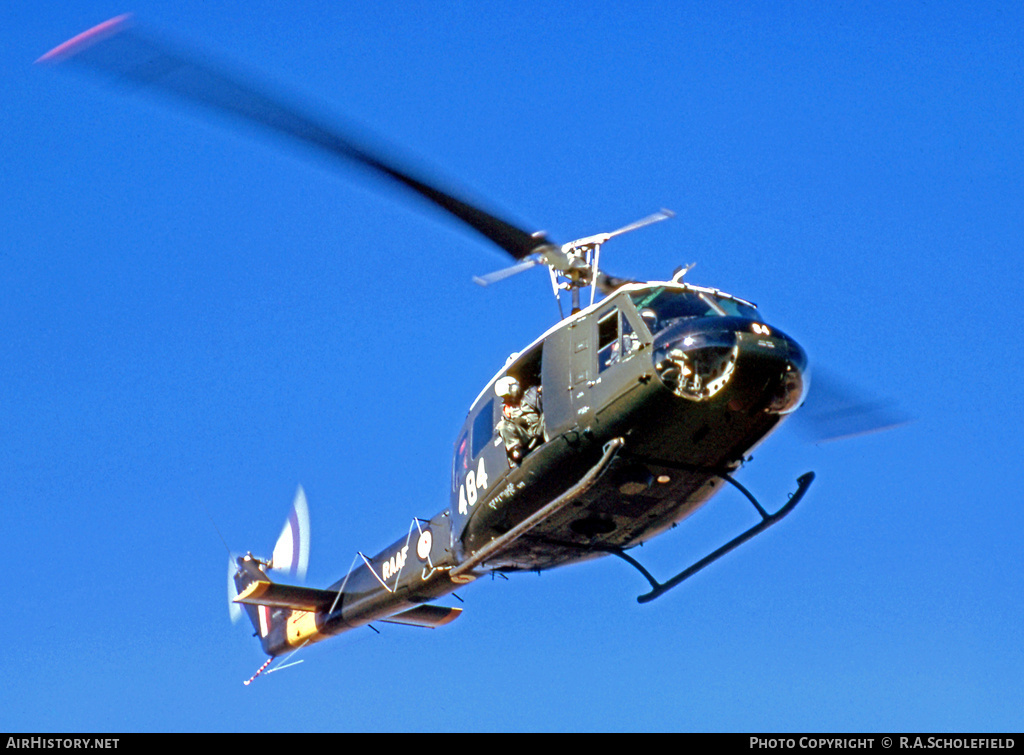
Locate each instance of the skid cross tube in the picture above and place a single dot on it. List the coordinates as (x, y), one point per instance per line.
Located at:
(767, 520)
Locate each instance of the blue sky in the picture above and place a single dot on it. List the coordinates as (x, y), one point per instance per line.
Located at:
(196, 318)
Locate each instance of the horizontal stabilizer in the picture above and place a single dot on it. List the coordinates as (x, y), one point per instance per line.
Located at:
(425, 616)
(275, 594)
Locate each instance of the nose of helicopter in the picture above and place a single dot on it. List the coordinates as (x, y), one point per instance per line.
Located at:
(746, 364)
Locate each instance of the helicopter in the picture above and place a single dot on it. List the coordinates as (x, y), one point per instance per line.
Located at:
(630, 413)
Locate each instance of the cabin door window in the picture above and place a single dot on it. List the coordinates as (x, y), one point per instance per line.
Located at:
(616, 339)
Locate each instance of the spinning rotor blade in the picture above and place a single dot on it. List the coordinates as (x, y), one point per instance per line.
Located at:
(116, 47)
(835, 411)
(234, 609)
(291, 553)
(653, 218)
(507, 272)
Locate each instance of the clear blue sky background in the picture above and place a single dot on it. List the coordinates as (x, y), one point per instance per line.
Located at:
(196, 316)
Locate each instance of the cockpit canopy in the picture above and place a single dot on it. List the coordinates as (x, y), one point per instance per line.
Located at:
(664, 306)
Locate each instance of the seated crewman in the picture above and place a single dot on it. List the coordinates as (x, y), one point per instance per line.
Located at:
(521, 424)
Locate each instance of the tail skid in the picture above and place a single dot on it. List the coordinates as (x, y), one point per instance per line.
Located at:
(279, 667)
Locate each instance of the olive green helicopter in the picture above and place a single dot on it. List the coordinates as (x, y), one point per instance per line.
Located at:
(630, 413)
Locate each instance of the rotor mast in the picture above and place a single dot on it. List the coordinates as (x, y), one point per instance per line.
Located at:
(582, 265)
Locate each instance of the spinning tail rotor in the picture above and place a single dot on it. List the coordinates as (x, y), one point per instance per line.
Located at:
(290, 557)
(291, 552)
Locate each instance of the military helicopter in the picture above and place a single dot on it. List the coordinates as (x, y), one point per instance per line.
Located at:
(625, 417)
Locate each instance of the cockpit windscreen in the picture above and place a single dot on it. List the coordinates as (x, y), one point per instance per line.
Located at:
(665, 306)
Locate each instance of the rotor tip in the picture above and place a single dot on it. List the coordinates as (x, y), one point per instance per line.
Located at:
(85, 39)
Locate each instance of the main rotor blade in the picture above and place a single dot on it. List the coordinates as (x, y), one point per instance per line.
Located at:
(835, 410)
(652, 218)
(506, 272)
(116, 47)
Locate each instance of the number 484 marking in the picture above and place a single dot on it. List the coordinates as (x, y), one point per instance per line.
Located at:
(472, 483)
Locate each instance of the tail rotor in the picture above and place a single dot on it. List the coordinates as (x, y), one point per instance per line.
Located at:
(234, 609)
(291, 552)
(290, 557)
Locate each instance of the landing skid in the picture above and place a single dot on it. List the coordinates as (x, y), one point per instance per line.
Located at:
(767, 520)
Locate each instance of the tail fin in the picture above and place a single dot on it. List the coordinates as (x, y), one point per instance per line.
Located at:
(250, 570)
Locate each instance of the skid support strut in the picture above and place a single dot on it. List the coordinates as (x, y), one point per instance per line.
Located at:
(767, 520)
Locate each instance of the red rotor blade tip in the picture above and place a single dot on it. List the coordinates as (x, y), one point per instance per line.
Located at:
(85, 39)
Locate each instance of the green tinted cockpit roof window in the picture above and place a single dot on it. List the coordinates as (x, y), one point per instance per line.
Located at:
(673, 304)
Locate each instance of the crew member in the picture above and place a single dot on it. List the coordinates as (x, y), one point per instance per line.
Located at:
(522, 424)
